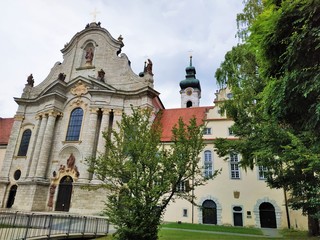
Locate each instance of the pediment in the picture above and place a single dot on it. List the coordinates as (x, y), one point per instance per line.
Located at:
(90, 83)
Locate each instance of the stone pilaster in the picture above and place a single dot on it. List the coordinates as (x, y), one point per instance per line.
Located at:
(117, 116)
(101, 141)
(104, 128)
(8, 158)
(37, 148)
(46, 146)
(32, 146)
(90, 137)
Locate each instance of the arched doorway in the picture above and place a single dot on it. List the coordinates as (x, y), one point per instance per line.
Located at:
(64, 194)
(12, 195)
(267, 215)
(209, 212)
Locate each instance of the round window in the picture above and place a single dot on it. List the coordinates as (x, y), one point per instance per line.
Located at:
(17, 175)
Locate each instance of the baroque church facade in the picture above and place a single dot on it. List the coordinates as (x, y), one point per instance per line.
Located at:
(59, 123)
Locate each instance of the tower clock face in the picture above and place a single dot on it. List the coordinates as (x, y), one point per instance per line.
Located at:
(189, 91)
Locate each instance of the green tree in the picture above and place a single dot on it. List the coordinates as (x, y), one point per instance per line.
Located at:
(274, 77)
(142, 176)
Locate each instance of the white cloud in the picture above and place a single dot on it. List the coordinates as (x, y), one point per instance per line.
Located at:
(34, 31)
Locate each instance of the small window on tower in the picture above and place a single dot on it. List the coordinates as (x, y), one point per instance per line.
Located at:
(189, 104)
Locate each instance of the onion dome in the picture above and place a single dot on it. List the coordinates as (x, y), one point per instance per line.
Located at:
(190, 80)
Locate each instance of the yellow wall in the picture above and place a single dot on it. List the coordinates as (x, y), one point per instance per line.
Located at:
(253, 191)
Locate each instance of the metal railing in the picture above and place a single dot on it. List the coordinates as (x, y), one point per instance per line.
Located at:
(20, 225)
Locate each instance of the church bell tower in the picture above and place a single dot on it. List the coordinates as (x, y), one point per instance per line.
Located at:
(190, 88)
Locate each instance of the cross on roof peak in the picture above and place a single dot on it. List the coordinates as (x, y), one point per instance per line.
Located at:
(94, 14)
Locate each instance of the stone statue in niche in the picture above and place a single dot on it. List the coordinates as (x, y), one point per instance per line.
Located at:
(30, 80)
(52, 191)
(89, 56)
(71, 161)
(101, 74)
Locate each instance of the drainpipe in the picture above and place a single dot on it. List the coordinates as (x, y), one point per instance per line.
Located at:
(286, 205)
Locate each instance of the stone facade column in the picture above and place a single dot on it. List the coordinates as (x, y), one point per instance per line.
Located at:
(104, 128)
(101, 141)
(90, 138)
(8, 158)
(38, 145)
(32, 146)
(46, 146)
(117, 116)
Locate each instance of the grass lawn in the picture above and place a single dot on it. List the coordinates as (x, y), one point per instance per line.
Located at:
(169, 232)
(214, 228)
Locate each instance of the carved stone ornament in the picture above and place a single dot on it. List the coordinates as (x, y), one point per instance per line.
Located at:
(117, 112)
(79, 89)
(66, 169)
(78, 102)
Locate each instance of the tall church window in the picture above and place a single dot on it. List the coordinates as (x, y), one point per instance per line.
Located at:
(75, 123)
(24, 144)
(189, 104)
(207, 164)
(234, 166)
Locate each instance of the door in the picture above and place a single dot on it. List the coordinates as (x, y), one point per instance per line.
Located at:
(209, 212)
(237, 219)
(237, 216)
(12, 195)
(267, 215)
(64, 194)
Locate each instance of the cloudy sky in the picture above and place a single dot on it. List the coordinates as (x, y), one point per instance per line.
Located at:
(33, 32)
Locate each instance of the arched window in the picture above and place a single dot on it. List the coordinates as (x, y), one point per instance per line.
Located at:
(24, 144)
(189, 104)
(208, 169)
(75, 123)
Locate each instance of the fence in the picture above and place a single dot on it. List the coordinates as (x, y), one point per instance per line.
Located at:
(19, 225)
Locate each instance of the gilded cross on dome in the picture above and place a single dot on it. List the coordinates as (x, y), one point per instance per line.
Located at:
(94, 14)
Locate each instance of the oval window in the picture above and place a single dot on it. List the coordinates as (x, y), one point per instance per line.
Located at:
(17, 175)
(237, 209)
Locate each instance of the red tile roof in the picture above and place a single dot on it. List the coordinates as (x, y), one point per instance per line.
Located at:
(5, 130)
(170, 117)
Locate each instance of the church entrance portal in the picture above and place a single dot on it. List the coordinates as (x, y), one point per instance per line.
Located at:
(64, 194)
(267, 215)
(209, 212)
(12, 195)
